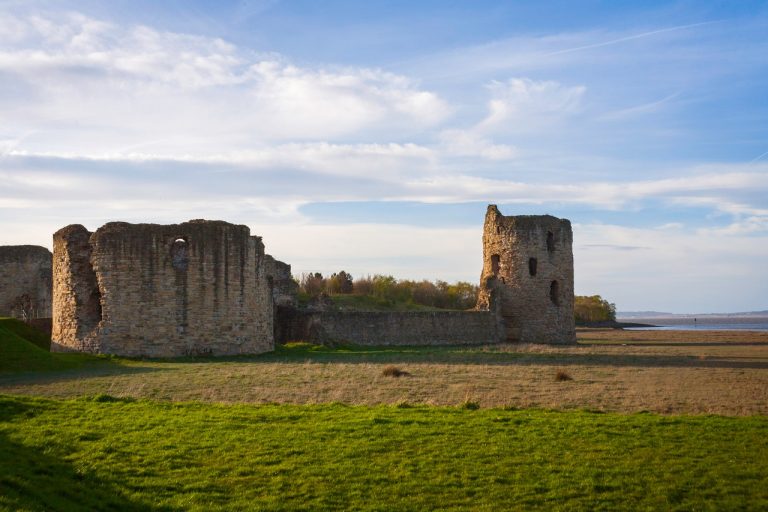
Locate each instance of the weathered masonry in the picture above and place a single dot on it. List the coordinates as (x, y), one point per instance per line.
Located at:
(25, 281)
(197, 288)
(527, 277)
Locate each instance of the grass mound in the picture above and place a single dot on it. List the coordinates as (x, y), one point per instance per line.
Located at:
(21, 350)
(26, 331)
(105, 453)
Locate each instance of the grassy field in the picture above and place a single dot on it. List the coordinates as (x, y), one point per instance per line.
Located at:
(110, 454)
(665, 372)
(462, 428)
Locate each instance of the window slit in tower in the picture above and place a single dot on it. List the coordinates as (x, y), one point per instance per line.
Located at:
(532, 266)
(554, 293)
(495, 264)
(550, 242)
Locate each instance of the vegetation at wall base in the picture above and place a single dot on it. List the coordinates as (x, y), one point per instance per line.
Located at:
(105, 453)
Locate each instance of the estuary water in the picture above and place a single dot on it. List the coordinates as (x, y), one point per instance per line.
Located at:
(701, 324)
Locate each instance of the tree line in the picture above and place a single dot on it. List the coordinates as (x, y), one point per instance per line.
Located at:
(594, 308)
(439, 294)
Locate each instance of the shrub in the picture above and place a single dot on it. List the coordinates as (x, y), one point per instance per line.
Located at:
(562, 376)
(393, 371)
(470, 405)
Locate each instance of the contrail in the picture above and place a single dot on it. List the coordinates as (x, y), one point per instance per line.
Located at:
(629, 38)
(758, 157)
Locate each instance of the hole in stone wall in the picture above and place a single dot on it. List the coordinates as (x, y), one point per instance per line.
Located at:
(498, 230)
(532, 266)
(179, 257)
(495, 264)
(550, 241)
(95, 302)
(554, 293)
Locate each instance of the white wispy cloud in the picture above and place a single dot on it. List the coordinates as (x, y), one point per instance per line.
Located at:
(162, 90)
(469, 143)
(522, 104)
(676, 267)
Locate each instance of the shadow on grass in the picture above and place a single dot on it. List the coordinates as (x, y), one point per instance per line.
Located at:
(102, 368)
(36, 478)
(469, 355)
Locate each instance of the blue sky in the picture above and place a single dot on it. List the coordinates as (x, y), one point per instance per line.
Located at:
(370, 136)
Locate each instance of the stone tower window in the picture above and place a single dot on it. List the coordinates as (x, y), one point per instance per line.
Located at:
(550, 242)
(554, 293)
(532, 266)
(495, 264)
(179, 257)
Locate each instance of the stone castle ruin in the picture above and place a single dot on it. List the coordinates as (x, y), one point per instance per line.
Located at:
(208, 288)
(25, 281)
(197, 288)
(527, 277)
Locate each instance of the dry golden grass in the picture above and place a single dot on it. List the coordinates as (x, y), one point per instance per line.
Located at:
(671, 372)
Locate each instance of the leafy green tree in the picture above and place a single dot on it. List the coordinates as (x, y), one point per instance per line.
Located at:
(593, 308)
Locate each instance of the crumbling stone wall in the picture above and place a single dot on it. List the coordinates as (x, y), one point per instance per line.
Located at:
(197, 288)
(284, 296)
(393, 328)
(280, 280)
(527, 277)
(25, 281)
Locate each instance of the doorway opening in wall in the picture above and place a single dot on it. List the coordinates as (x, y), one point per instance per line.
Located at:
(554, 293)
(495, 264)
(179, 256)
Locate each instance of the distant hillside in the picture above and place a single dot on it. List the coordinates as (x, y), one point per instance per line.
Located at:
(661, 314)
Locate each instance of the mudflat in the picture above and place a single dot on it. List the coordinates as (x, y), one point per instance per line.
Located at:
(668, 372)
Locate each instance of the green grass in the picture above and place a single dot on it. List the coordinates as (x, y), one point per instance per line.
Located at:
(20, 350)
(108, 454)
(26, 331)
(368, 303)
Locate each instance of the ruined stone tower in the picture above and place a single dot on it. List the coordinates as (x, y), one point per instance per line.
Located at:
(527, 276)
(197, 288)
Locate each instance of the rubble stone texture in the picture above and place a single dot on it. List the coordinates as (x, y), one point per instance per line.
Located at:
(25, 281)
(527, 277)
(197, 288)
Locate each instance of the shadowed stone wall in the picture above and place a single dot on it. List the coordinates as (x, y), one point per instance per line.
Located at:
(25, 281)
(197, 288)
(527, 277)
(394, 328)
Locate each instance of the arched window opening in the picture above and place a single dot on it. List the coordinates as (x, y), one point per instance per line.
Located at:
(554, 293)
(495, 264)
(550, 242)
(179, 257)
(532, 266)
